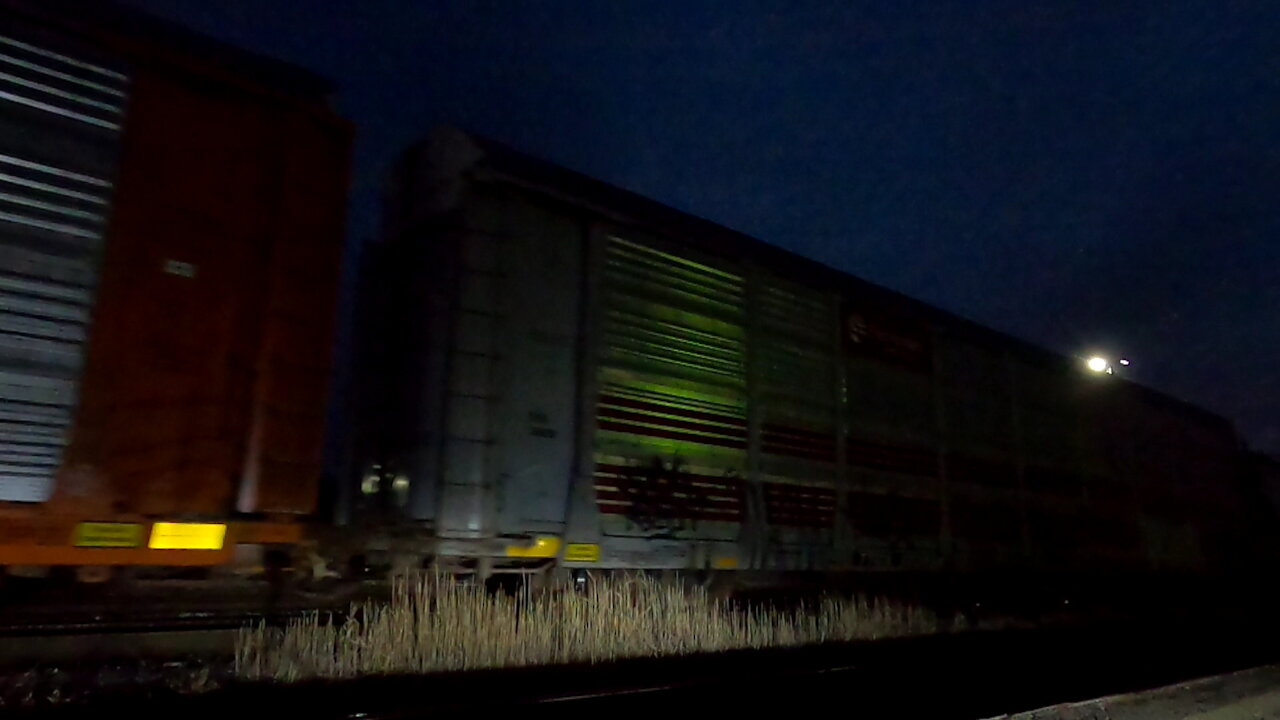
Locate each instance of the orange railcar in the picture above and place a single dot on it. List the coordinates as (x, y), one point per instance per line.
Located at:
(196, 391)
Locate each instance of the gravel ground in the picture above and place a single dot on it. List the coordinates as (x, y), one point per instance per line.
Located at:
(61, 685)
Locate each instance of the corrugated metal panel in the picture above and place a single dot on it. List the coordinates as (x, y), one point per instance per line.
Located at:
(671, 316)
(881, 456)
(1049, 419)
(986, 521)
(889, 404)
(796, 391)
(655, 494)
(793, 505)
(57, 84)
(797, 372)
(874, 332)
(672, 386)
(978, 396)
(673, 350)
(894, 516)
(60, 118)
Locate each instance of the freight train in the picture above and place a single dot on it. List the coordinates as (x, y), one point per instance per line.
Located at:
(552, 374)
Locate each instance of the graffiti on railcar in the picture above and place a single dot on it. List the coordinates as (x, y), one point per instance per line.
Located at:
(663, 496)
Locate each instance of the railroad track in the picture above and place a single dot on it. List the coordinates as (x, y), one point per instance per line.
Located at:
(152, 621)
(155, 623)
(964, 676)
(136, 638)
(960, 677)
(976, 675)
(169, 606)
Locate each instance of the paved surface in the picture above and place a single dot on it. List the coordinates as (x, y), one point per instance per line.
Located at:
(1245, 695)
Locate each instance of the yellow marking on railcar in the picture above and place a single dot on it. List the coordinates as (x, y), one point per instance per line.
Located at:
(582, 552)
(545, 546)
(187, 536)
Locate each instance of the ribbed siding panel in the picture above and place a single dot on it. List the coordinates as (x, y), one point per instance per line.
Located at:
(672, 392)
(60, 118)
(797, 372)
(672, 317)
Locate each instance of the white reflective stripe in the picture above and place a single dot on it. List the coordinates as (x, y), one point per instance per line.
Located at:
(57, 110)
(60, 75)
(19, 162)
(49, 90)
(46, 225)
(63, 58)
(44, 288)
(46, 187)
(51, 207)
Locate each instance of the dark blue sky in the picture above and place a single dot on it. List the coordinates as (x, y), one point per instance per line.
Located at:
(1083, 175)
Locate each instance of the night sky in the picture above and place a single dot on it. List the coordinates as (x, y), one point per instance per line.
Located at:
(1082, 175)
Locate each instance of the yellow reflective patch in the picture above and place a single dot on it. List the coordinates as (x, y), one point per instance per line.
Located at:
(107, 535)
(582, 552)
(187, 536)
(542, 547)
(728, 562)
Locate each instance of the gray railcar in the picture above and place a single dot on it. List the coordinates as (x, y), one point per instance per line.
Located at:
(565, 373)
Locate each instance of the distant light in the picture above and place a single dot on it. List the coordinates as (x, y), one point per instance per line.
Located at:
(1098, 364)
(1124, 361)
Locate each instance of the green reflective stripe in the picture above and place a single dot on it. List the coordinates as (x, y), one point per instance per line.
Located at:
(107, 535)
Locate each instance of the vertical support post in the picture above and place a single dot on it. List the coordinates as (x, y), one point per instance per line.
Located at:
(755, 532)
(1019, 453)
(582, 516)
(843, 541)
(938, 388)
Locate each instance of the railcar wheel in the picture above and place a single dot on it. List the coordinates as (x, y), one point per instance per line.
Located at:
(94, 574)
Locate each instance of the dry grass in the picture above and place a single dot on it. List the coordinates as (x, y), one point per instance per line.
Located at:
(434, 625)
